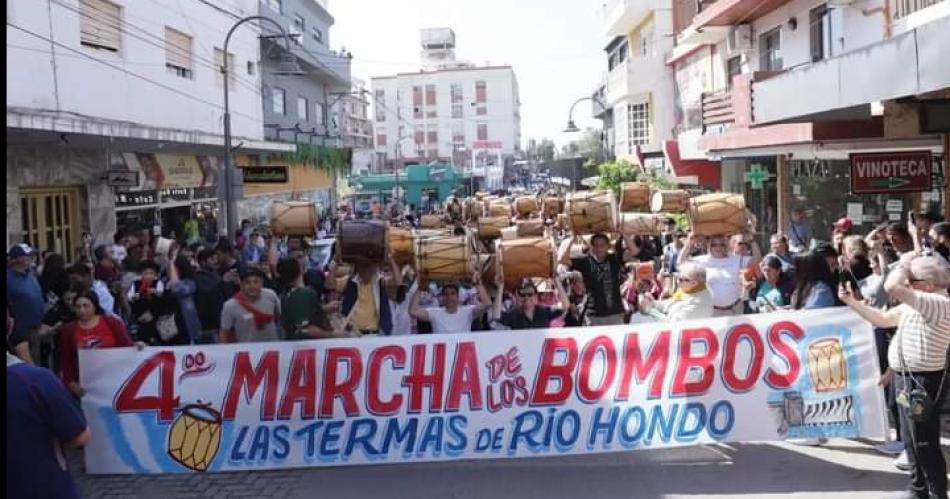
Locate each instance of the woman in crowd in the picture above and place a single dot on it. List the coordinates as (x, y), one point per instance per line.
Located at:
(940, 239)
(576, 314)
(53, 280)
(773, 290)
(815, 283)
(147, 303)
(182, 285)
(91, 329)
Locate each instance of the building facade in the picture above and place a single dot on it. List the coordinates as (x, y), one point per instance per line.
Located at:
(115, 112)
(450, 111)
(637, 91)
(300, 109)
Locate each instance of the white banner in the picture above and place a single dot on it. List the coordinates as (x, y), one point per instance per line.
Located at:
(481, 395)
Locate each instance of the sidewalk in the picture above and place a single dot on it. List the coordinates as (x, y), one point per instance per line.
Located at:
(841, 469)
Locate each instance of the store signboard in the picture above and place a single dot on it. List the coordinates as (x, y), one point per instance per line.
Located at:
(176, 194)
(120, 178)
(265, 174)
(887, 172)
(136, 198)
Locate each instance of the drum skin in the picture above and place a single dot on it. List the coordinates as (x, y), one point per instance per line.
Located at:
(526, 205)
(590, 212)
(448, 258)
(669, 201)
(634, 196)
(642, 224)
(552, 206)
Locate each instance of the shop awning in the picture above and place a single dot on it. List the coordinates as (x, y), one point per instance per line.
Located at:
(706, 173)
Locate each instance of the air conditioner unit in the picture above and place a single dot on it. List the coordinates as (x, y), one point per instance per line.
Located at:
(740, 38)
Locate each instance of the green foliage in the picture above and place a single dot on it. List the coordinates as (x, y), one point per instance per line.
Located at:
(328, 159)
(614, 173)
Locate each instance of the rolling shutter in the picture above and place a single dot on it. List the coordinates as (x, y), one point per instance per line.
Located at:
(100, 24)
(177, 48)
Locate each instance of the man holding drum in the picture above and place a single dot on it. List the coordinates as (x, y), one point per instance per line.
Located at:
(526, 313)
(603, 275)
(451, 317)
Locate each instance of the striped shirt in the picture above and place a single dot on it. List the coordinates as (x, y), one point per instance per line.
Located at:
(923, 332)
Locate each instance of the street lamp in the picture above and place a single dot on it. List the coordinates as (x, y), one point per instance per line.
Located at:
(287, 67)
(571, 127)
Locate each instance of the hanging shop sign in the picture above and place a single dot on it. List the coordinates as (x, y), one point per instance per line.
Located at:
(137, 198)
(120, 178)
(176, 194)
(887, 172)
(265, 174)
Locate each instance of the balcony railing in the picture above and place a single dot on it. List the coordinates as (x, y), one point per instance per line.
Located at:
(685, 10)
(903, 8)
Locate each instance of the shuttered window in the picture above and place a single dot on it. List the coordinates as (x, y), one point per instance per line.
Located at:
(100, 25)
(178, 52)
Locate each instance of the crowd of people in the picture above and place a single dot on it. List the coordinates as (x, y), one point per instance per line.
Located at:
(256, 286)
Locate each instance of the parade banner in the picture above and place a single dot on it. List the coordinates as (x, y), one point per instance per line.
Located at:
(486, 395)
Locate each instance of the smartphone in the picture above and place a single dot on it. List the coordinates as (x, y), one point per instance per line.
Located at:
(913, 218)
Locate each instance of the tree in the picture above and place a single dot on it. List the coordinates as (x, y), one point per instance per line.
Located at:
(541, 151)
(614, 173)
(588, 145)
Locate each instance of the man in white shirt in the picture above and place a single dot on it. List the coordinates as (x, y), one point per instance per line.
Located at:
(723, 273)
(452, 317)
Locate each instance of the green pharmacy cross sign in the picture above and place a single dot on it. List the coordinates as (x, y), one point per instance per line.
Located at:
(757, 176)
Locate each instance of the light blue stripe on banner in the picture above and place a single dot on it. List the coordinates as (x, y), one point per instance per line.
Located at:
(118, 439)
(157, 436)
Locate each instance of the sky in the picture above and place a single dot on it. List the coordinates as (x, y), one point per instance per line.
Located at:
(554, 46)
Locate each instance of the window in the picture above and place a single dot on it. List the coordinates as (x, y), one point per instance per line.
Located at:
(218, 63)
(417, 102)
(482, 131)
(319, 113)
(819, 32)
(317, 34)
(178, 53)
(381, 138)
(431, 111)
(456, 96)
(733, 68)
(420, 139)
(278, 101)
(378, 105)
(100, 25)
(298, 28)
(432, 135)
(481, 98)
(275, 5)
(302, 108)
(250, 68)
(458, 134)
(770, 50)
(638, 125)
(617, 53)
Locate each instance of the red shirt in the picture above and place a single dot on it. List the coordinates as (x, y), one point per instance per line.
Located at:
(109, 332)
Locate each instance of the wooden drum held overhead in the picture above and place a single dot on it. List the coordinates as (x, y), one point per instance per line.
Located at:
(363, 241)
(717, 214)
(444, 258)
(530, 228)
(642, 224)
(430, 221)
(669, 201)
(293, 218)
(526, 205)
(499, 208)
(590, 212)
(401, 245)
(634, 196)
(473, 209)
(490, 227)
(518, 259)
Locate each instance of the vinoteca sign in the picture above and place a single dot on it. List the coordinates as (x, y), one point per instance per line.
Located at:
(884, 172)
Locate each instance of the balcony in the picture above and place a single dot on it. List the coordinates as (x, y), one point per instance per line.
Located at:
(903, 8)
(637, 75)
(622, 15)
(705, 22)
(908, 64)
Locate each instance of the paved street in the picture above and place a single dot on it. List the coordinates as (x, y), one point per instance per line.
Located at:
(841, 469)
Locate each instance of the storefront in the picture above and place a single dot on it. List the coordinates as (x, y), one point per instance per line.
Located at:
(774, 186)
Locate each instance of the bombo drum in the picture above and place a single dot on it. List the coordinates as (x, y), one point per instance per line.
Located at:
(552, 207)
(518, 259)
(827, 365)
(669, 201)
(530, 228)
(446, 258)
(591, 212)
(430, 221)
(363, 241)
(642, 224)
(400, 245)
(634, 196)
(526, 205)
(473, 209)
(195, 437)
(499, 208)
(717, 214)
(293, 218)
(490, 227)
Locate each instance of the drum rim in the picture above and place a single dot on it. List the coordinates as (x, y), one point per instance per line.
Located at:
(189, 409)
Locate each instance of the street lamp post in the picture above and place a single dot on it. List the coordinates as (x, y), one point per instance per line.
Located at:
(288, 66)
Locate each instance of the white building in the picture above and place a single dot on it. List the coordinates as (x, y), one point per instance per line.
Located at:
(452, 112)
(638, 87)
(100, 86)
